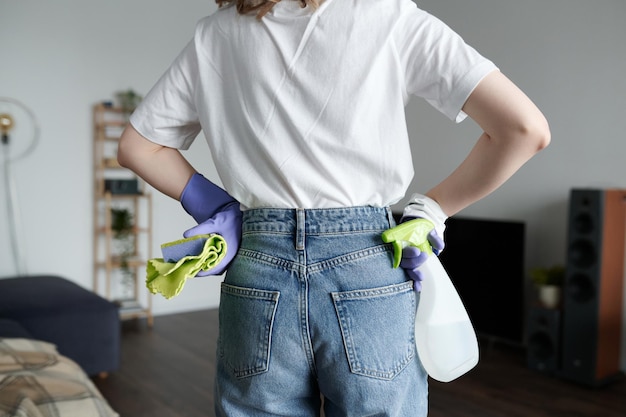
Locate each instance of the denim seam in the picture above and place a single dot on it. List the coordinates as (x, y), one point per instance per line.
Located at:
(311, 230)
(373, 292)
(250, 292)
(307, 343)
(301, 231)
(267, 259)
(260, 230)
(348, 258)
(344, 232)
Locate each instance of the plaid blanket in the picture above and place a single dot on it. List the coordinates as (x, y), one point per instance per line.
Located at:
(35, 381)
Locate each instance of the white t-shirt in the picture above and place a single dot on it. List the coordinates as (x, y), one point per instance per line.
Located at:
(306, 108)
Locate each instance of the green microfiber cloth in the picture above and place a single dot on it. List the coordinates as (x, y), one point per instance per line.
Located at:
(168, 278)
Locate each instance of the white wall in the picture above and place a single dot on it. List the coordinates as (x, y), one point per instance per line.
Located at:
(61, 57)
(569, 57)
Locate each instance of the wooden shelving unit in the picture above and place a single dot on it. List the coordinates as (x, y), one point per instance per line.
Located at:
(119, 260)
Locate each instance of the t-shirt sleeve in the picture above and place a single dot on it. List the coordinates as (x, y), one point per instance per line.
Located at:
(438, 65)
(168, 115)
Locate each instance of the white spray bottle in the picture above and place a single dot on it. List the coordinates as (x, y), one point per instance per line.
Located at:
(444, 335)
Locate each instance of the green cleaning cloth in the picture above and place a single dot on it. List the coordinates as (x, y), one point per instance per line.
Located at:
(168, 278)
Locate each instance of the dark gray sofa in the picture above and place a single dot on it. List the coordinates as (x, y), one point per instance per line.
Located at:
(84, 326)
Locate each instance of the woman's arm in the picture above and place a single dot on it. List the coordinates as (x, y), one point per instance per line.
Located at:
(163, 168)
(514, 131)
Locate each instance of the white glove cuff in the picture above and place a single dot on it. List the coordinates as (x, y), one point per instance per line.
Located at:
(425, 207)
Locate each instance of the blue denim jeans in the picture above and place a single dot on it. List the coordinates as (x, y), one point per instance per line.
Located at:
(311, 308)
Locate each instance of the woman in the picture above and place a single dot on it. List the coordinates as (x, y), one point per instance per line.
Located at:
(303, 106)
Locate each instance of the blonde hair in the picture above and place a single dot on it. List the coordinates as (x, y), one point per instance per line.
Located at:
(261, 7)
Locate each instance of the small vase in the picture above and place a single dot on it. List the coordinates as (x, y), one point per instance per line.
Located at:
(550, 296)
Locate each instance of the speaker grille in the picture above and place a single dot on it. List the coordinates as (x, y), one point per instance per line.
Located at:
(543, 339)
(593, 285)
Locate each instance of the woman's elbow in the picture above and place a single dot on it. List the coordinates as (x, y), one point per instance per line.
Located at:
(129, 147)
(541, 134)
(536, 133)
(123, 157)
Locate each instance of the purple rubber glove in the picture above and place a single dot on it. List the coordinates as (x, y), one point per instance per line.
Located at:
(421, 206)
(226, 223)
(413, 258)
(216, 211)
(202, 199)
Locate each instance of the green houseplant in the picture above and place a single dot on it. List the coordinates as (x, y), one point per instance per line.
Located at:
(128, 100)
(549, 282)
(553, 275)
(122, 224)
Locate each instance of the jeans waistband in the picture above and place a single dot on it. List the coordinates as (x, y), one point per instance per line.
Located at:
(327, 220)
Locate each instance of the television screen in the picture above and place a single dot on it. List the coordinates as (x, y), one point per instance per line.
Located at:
(485, 261)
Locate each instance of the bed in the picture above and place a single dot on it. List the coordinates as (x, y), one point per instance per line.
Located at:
(36, 381)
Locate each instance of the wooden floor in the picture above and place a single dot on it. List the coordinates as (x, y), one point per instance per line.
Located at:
(168, 371)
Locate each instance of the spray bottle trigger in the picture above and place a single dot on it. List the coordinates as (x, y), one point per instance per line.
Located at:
(397, 252)
(413, 232)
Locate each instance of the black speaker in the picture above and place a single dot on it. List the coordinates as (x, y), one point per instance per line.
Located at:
(592, 299)
(544, 330)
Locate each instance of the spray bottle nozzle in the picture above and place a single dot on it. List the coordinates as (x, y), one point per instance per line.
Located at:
(413, 232)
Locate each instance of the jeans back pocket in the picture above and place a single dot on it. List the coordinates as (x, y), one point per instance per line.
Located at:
(246, 322)
(378, 329)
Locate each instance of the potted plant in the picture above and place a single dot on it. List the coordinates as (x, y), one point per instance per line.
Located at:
(549, 282)
(128, 100)
(122, 227)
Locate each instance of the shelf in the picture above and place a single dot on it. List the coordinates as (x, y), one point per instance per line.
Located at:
(109, 109)
(134, 230)
(112, 279)
(130, 309)
(111, 123)
(111, 163)
(122, 196)
(129, 306)
(115, 262)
